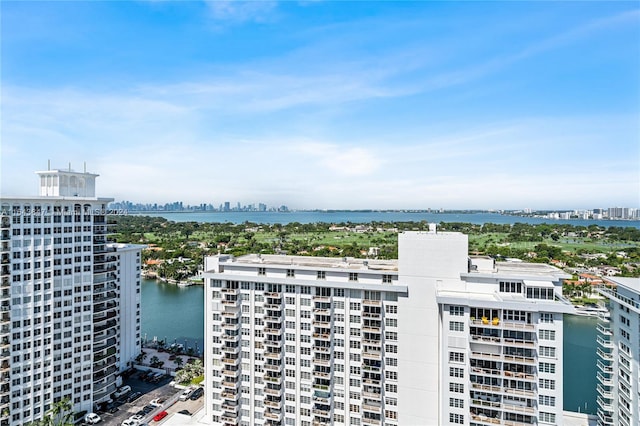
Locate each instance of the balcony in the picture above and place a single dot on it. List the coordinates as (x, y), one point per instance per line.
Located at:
(274, 367)
(230, 325)
(603, 329)
(372, 406)
(371, 353)
(228, 394)
(520, 359)
(272, 403)
(604, 342)
(227, 383)
(273, 390)
(604, 404)
(605, 418)
(521, 392)
(273, 355)
(487, 420)
(230, 312)
(322, 336)
(273, 414)
(604, 355)
(604, 379)
(321, 396)
(229, 418)
(516, 407)
(606, 369)
(230, 406)
(605, 391)
(234, 361)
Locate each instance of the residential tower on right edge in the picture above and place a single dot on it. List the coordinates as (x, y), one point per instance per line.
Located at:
(618, 354)
(435, 337)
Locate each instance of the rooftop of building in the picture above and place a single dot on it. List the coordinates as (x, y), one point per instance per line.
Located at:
(318, 262)
(632, 284)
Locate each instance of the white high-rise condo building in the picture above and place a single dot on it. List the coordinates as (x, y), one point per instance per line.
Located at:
(432, 338)
(70, 301)
(619, 355)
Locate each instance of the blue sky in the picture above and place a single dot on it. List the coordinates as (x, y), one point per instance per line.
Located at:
(327, 104)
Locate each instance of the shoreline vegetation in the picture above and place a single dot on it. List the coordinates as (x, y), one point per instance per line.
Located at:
(176, 250)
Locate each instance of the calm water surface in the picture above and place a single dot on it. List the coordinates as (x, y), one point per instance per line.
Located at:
(367, 217)
(173, 313)
(177, 314)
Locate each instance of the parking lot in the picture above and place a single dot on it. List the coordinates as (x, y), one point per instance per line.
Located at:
(149, 392)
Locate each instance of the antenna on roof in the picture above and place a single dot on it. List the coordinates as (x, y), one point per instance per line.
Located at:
(85, 167)
(69, 165)
(49, 164)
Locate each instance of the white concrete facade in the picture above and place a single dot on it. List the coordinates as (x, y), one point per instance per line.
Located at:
(619, 355)
(433, 338)
(60, 324)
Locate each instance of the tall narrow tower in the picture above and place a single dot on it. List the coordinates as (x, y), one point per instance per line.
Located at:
(62, 328)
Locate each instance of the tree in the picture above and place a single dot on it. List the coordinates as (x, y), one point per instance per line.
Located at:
(59, 414)
(179, 361)
(154, 360)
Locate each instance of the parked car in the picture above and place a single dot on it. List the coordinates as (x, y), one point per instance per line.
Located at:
(134, 396)
(92, 418)
(186, 394)
(130, 422)
(148, 408)
(157, 402)
(136, 417)
(196, 394)
(186, 412)
(161, 415)
(122, 391)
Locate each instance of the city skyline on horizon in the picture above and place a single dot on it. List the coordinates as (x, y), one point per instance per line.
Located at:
(459, 106)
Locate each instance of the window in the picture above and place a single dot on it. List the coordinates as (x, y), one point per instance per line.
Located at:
(262, 271)
(540, 293)
(456, 326)
(386, 279)
(547, 400)
(456, 387)
(547, 417)
(456, 418)
(353, 276)
(456, 357)
(456, 402)
(547, 384)
(547, 335)
(321, 275)
(547, 367)
(546, 317)
(456, 311)
(548, 351)
(291, 273)
(456, 372)
(391, 309)
(510, 287)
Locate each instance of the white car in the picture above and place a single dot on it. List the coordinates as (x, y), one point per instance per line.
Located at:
(92, 418)
(136, 418)
(157, 402)
(185, 394)
(130, 422)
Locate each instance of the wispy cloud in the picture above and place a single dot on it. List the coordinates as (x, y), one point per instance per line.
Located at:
(238, 11)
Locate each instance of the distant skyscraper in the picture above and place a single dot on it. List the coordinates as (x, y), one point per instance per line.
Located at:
(433, 338)
(70, 301)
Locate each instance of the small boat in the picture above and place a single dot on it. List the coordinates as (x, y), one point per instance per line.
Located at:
(592, 311)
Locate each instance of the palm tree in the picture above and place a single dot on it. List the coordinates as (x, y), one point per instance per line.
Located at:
(58, 415)
(179, 361)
